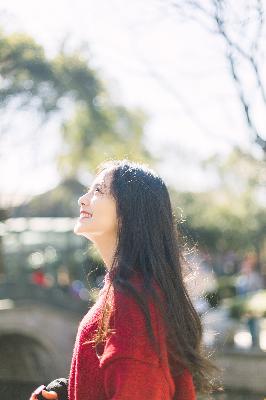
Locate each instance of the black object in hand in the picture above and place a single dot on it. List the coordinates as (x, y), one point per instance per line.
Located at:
(59, 386)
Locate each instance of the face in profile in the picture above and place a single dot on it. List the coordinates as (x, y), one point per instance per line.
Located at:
(98, 215)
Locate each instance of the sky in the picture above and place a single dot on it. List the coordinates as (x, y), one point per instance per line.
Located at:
(175, 70)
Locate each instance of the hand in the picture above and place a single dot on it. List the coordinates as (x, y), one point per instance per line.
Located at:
(51, 395)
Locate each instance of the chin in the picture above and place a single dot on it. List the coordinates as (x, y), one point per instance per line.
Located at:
(78, 229)
(81, 231)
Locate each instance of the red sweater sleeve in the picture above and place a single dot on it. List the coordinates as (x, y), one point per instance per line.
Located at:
(132, 379)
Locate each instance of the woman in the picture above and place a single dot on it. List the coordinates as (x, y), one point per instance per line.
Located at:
(142, 339)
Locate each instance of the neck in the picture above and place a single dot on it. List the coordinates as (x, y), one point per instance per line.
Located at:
(106, 247)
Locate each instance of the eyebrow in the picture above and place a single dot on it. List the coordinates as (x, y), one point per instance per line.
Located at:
(103, 185)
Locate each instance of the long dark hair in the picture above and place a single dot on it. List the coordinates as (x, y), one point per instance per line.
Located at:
(149, 243)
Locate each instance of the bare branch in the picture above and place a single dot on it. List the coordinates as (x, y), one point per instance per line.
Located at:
(182, 101)
(260, 26)
(232, 46)
(221, 29)
(258, 139)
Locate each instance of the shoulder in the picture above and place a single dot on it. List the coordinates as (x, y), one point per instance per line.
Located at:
(128, 305)
(129, 337)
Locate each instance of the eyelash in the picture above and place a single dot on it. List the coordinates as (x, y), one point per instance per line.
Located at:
(97, 187)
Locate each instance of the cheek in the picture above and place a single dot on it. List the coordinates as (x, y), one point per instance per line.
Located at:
(105, 214)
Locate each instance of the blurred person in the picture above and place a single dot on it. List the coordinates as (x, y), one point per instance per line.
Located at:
(63, 278)
(249, 281)
(38, 277)
(142, 339)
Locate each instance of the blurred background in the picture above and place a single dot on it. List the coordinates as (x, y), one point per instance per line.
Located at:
(180, 85)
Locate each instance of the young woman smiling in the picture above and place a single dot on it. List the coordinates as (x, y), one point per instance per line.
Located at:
(142, 339)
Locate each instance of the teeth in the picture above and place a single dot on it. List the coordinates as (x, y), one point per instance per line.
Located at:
(88, 215)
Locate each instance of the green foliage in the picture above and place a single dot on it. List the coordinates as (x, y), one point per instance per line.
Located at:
(237, 307)
(97, 128)
(34, 80)
(87, 142)
(252, 304)
(225, 289)
(232, 216)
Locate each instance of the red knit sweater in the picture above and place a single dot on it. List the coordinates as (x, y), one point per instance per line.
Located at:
(128, 368)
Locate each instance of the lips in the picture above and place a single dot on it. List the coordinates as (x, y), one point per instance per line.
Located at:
(85, 214)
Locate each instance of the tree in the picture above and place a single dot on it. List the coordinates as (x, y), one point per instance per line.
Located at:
(232, 216)
(86, 144)
(37, 82)
(241, 27)
(98, 127)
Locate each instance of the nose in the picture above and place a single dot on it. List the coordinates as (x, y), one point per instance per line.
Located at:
(82, 201)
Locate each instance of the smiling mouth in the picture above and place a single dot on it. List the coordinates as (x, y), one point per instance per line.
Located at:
(85, 215)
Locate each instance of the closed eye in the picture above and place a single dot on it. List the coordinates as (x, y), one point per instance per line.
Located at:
(94, 189)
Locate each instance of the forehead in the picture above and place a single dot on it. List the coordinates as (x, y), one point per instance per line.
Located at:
(103, 178)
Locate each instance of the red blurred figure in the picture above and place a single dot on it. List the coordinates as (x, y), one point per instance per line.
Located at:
(38, 277)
